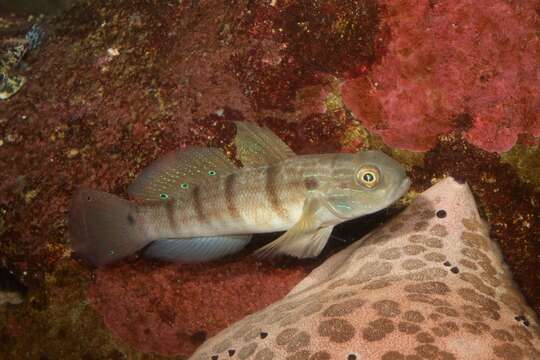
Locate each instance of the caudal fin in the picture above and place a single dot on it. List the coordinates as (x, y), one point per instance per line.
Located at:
(104, 228)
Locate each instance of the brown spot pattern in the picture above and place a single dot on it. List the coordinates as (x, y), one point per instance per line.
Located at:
(472, 313)
(337, 330)
(521, 333)
(412, 264)
(300, 355)
(435, 257)
(293, 339)
(386, 308)
(502, 335)
(408, 328)
(343, 308)
(471, 224)
(421, 226)
(438, 230)
(447, 311)
(427, 214)
(369, 271)
(393, 355)
(432, 287)
(424, 337)
(264, 354)
(472, 296)
(247, 351)
(434, 243)
(427, 351)
(285, 336)
(413, 249)
(417, 238)
(312, 308)
(482, 260)
(444, 329)
(476, 328)
(490, 279)
(426, 274)
(435, 317)
(468, 264)
(422, 298)
(320, 355)
(390, 254)
(474, 240)
(414, 316)
(477, 283)
(378, 329)
(378, 284)
(508, 352)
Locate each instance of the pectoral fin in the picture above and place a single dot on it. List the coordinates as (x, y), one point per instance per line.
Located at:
(305, 239)
(298, 244)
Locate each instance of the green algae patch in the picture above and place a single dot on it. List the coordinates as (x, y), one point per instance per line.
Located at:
(526, 161)
(406, 157)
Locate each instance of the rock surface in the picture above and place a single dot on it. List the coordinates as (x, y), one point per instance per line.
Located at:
(117, 84)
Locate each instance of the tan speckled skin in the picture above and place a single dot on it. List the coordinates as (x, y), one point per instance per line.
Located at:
(430, 284)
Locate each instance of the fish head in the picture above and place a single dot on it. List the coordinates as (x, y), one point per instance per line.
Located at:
(374, 182)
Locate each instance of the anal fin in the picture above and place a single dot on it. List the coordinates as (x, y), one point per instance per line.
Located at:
(196, 249)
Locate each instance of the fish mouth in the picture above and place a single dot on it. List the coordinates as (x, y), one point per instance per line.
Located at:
(401, 189)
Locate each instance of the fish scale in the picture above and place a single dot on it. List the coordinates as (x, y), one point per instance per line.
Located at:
(252, 199)
(195, 205)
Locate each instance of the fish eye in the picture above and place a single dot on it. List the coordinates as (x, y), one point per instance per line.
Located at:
(368, 176)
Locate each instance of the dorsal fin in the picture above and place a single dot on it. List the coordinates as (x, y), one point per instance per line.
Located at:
(256, 146)
(177, 171)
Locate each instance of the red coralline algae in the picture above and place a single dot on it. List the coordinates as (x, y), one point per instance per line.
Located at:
(448, 58)
(171, 309)
(298, 43)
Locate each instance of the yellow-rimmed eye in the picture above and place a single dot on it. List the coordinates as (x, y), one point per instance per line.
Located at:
(368, 176)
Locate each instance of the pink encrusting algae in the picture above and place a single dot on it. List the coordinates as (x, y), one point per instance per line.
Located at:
(171, 309)
(451, 58)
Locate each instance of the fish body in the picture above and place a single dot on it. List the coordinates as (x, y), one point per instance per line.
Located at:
(255, 200)
(195, 205)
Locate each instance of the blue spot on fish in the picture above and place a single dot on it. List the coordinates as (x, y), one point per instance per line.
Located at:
(344, 206)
